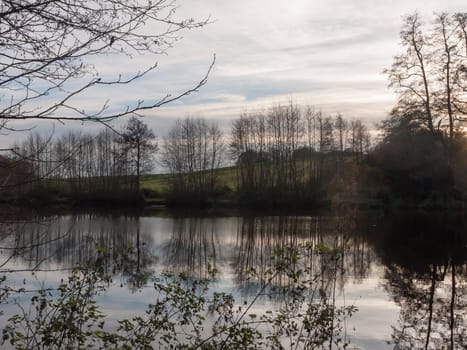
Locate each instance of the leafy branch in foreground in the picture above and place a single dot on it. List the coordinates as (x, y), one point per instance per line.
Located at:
(186, 314)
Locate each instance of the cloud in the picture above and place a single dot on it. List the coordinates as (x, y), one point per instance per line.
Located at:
(329, 53)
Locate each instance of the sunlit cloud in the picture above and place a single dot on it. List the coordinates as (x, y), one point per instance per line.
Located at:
(330, 54)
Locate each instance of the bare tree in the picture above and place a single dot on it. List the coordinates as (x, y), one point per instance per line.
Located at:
(311, 122)
(358, 138)
(341, 126)
(444, 37)
(409, 73)
(139, 145)
(430, 74)
(192, 151)
(48, 51)
(326, 134)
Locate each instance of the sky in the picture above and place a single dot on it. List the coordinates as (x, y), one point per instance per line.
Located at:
(326, 53)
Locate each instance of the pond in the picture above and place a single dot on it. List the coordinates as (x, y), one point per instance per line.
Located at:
(406, 273)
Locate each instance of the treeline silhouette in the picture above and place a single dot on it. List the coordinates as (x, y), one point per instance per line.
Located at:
(283, 155)
(77, 165)
(80, 167)
(289, 154)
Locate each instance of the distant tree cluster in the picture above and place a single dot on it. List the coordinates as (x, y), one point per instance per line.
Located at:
(111, 163)
(288, 151)
(285, 152)
(192, 151)
(13, 173)
(81, 165)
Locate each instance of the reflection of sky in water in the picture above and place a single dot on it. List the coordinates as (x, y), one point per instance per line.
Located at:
(184, 243)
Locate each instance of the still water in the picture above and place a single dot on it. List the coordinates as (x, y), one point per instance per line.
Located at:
(406, 273)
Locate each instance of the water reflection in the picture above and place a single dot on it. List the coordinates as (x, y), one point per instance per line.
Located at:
(427, 277)
(113, 243)
(419, 260)
(258, 237)
(193, 246)
(135, 247)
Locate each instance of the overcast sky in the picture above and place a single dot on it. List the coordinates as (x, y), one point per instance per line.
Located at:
(326, 53)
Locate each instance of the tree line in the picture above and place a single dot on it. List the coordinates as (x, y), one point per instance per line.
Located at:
(286, 150)
(83, 165)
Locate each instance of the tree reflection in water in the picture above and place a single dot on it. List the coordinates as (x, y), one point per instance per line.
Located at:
(426, 274)
(196, 243)
(117, 247)
(194, 246)
(424, 257)
(114, 243)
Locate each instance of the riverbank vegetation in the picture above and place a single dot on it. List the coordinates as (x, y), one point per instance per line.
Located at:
(285, 155)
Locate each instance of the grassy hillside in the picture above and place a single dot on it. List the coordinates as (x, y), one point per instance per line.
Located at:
(160, 183)
(352, 182)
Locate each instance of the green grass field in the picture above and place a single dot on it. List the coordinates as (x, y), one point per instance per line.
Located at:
(161, 182)
(156, 182)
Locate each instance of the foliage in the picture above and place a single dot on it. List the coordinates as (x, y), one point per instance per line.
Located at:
(424, 167)
(186, 315)
(68, 320)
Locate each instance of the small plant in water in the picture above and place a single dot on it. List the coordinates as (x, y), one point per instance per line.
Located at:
(187, 315)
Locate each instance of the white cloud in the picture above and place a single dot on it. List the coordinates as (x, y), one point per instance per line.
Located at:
(330, 53)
